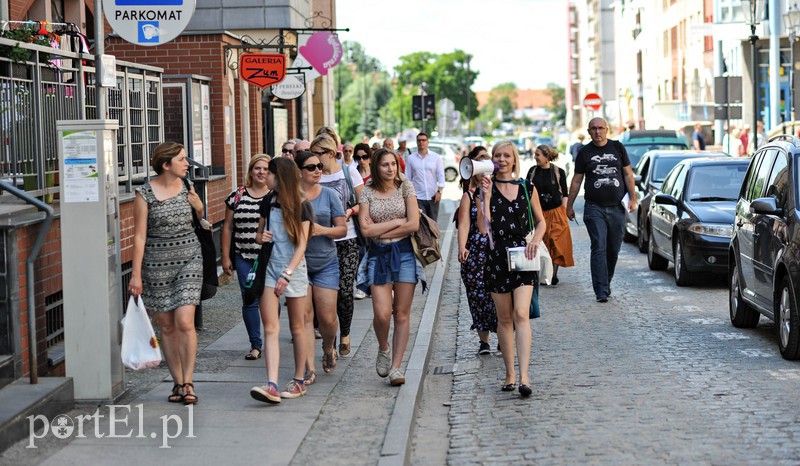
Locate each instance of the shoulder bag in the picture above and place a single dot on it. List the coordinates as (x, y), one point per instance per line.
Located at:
(206, 239)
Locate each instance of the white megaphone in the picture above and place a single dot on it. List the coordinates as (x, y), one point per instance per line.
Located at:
(469, 168)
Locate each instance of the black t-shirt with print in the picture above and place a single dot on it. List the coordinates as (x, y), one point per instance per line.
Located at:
(551, 188)
(604, 182)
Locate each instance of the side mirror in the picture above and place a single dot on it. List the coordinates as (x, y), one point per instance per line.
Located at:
(662, 198)
(637, 179)
(766, 206)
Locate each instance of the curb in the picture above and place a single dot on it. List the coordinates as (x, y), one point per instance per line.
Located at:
(397, 440)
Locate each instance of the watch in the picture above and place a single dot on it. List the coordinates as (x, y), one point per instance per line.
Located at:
(288, 272)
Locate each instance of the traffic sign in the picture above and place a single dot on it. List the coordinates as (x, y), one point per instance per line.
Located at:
(148, 22)
(592, 102)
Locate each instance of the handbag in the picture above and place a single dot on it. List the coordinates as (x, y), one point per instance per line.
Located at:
(425, 241)
(206, 239)
(254, 283)
(533, 310)
(139, 343)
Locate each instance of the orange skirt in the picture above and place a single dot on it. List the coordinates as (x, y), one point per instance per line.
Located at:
(557, 237)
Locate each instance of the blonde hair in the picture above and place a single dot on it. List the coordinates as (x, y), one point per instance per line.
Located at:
(253, 161)
(324, 141)
(514, 153)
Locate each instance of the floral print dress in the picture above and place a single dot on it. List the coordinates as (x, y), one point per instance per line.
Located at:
(481, 305)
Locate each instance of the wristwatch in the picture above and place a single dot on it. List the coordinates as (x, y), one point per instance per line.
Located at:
(288, 272)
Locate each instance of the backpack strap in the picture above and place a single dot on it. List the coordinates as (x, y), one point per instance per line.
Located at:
(238, 196)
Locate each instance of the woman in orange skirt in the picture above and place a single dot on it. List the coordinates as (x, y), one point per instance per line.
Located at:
(551, 183)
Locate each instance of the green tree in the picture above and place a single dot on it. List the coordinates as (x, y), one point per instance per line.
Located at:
(558, 106)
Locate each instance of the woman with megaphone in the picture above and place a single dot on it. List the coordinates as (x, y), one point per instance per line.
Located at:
(509, 212)
(473, 247)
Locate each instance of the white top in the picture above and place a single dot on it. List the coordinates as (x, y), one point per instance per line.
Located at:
(337, 182)
(425, 173)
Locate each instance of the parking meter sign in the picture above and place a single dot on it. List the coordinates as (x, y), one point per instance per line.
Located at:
(148, 22)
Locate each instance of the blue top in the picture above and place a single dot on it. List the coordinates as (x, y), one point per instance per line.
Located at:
(322, 249)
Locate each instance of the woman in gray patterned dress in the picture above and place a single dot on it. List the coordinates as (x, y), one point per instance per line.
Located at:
(168, 262)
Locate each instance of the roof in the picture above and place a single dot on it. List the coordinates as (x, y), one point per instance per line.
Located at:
(717, 161)
(526, 98)
(672, 153)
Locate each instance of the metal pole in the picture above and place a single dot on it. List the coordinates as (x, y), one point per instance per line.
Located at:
(792, 37)
(99, 50)
(424, 114)
(469, 98)
(753, 40)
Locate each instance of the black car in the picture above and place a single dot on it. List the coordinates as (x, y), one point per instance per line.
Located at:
(690, 221)
(765, 249)
(637, 142)
(648, 174)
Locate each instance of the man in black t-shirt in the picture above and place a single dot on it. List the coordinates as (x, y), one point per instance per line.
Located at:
(605, 165)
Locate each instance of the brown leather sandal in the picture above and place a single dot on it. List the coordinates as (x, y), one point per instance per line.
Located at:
(254, 354)
(177, 394)
(189, 398)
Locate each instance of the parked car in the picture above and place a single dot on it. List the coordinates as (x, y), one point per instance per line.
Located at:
(765, 249)
(648, 175)
(637, 142)
(449, 156)
(691, 220)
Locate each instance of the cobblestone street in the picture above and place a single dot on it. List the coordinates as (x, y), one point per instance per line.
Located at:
(656, 375)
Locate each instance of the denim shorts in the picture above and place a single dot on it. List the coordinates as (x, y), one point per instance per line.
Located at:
(298, 285)
(407, 272)
(326, 276)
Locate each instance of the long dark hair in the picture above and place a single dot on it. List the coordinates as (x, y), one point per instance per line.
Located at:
(472, 155)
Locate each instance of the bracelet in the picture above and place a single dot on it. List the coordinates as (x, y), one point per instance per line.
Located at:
(286, 277)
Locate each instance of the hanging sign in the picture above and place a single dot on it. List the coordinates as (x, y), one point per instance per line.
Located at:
(148, 22)
(322, 50)
(262, 69)
(290, 88)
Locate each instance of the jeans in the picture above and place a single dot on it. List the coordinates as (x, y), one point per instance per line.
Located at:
(605, 226)
(429, 208)
(250, 312)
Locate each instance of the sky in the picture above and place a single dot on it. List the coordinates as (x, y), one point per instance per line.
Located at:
(519, 41)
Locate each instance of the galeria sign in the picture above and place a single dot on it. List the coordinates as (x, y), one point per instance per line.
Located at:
(148, 22)
(262, 69)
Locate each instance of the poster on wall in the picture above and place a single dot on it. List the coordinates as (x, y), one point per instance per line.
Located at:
(205, 101)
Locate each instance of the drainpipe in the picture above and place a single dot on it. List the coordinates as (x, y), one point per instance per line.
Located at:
(37, 246)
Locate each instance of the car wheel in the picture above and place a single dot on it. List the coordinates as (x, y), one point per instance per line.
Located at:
(641, 240)
(682, 276)
(787, 321)
(627, 237)
(742, 315)
(654, 261)
(450, 174)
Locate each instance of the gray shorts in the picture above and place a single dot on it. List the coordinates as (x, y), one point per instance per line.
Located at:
(298, 285)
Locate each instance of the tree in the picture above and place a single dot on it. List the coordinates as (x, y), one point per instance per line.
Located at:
(502, 100)
(558, 106)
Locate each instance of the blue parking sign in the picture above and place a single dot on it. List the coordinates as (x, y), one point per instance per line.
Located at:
(148, 32)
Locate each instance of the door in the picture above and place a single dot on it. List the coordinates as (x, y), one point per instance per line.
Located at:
(745, 220)
(662, 215)
(769, 231)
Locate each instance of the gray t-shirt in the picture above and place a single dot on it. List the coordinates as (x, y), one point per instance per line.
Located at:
(322, 249)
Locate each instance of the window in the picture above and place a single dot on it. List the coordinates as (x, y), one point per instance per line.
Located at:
(669, 181)
(680, 179)
(758, 173)
(778, 184)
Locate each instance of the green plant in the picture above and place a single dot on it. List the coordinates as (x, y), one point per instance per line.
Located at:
(27, 34)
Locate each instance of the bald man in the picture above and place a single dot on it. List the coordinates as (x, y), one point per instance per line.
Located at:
(607, 169)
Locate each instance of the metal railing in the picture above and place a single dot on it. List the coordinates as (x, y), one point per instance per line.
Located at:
(56, 85)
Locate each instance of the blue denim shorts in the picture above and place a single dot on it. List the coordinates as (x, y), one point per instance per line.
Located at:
(326, 276)
(407, 272)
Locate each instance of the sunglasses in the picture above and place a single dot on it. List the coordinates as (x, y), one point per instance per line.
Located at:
(319, 154)
(360, 157)
(287, 151)
(313, 167)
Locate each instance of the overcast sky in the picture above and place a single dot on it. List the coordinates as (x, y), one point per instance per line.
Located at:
(520, 41)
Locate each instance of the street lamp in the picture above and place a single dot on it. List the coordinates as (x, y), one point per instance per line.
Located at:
(792, 20)
(754, 12)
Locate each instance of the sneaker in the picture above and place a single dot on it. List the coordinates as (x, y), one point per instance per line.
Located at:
(384, 362)
(358, 294)
(294, 389)
(602, 299)
(396, 378)
(268, 394)
(484, 349)
(317, 335)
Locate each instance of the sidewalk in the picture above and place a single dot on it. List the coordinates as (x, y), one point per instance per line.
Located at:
(351, 416)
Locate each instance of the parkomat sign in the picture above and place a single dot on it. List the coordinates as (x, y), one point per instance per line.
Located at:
(148, 22)
(262, 69)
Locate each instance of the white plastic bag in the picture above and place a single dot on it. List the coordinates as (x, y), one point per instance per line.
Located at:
(546, 267)
(139, 343)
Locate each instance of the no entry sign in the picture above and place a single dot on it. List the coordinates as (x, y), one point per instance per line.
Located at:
(592, 102)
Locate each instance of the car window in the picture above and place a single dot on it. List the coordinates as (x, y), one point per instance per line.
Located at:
(778, 182)
(636, 151)
(669, 180)
(715, 182)
(757, 178)
(662, 166)
(677, 187)
(643, 167)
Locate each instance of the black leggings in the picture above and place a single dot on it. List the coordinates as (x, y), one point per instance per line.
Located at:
(347, 251)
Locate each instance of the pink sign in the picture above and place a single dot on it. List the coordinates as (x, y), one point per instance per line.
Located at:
(323, 51)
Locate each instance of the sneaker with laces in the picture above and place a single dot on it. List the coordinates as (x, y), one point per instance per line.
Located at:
(484, 349)
(358, 294)
(384, 362)
(268, 394)
(396, 378)
(294, 389)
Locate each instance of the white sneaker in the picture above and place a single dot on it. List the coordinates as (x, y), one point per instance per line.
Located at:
(384, 362)
(396, 378)
(358, 294)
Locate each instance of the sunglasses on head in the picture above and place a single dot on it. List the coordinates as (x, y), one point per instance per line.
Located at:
(313, 167)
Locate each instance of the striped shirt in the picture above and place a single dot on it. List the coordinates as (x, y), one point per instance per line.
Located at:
(245, 223)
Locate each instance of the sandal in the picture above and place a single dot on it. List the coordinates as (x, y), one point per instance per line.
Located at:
(309, 378)
(176, 396)
(189, 398)
(254, 354)
(344, 348)
(329, 361)
(508, 387)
